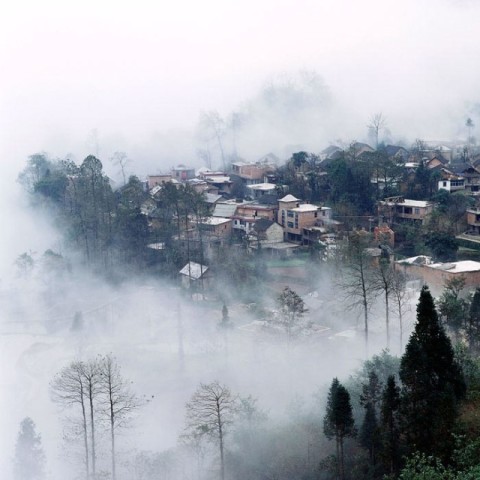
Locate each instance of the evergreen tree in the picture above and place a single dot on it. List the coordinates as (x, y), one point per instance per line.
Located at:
(473, 330)
(369, 432)
(433, 384)
(338, 422)
(29, 457)
(389, 421)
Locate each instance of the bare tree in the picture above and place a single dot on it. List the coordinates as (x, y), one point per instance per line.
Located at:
(356, 279)
(121, 160)
(213, 126)
(91, 378)
(377, 123)
(69, 390)
(118, 401)
(210, 413)
(383, 282)
(400, 296)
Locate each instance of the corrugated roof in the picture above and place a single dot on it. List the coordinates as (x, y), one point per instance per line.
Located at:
(212, 198)
(224, 210)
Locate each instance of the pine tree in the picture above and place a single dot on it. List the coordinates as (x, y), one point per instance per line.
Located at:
(389, 421)
(29, 457)
(338, 422)
(369, 432)
(433, 384)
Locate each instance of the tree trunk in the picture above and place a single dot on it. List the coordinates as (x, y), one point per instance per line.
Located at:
(387, 318)
(92, 432)
(85, 436)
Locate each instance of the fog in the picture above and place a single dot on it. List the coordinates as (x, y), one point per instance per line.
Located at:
(100, 77)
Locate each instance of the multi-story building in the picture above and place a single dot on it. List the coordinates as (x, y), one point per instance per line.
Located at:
(398, 209)
(294, 217)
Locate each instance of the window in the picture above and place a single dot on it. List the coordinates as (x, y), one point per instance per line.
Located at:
(407, 210)
(444, 184)
(283, 217)
(290, 224)
(417, 211)
(290, 214)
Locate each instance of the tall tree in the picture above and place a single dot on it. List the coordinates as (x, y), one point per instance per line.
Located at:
(369, 432)
(390, 424)
(69, 390)
(432, 384)
(473, 330)
(117, 399)
(356, 280)
(377, 123)
(383, 282)
(338, 422)
(29, 462)
(210, 413)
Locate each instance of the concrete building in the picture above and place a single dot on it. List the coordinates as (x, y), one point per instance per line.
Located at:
(398, 209)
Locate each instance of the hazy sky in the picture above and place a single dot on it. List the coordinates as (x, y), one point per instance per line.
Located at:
(130, 68)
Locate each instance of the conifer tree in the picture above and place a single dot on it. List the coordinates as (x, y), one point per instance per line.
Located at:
(29, 457)
(389, 421)
(473, 330)
(338, 422)
(433, 384)
(369, 432)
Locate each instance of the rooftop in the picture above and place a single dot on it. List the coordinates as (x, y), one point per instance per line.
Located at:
(289, 198)
(215, 220)
(458, 267)
(193, 270)
(305, 207)
(262, 186)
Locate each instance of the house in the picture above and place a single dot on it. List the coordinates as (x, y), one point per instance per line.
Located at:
(473, 220)
(218, 227)
(221, 183)
(251, 173)
(397, 153)
(265, 233)
(471, 176)
(260, 189)
(294, 216)
(450, 181)
(435, 275)
(183, 173)
(398, 209)
(248, 213)
(155, 180)
(195, 276)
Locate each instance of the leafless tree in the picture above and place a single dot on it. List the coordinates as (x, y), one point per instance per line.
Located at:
(69, 390)
(383, 282)
(118, 401)
(213, 127)
(356, 279)
(91, 378)
(377, 123)
(121, 160)
(400, 296)
(210, 413)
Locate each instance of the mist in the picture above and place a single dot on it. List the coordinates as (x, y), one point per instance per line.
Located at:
(102, 77)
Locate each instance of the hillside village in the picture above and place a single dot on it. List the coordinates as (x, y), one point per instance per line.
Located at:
(421, 203)
(300, 206)
(314, 254)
